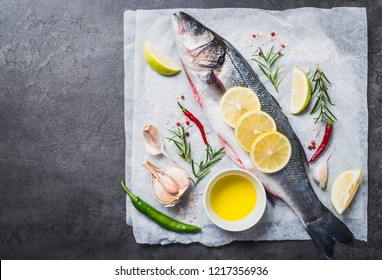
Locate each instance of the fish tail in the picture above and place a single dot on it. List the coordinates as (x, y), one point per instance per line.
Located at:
(326, 230)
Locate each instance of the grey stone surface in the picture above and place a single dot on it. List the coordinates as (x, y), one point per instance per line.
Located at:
(62, 135)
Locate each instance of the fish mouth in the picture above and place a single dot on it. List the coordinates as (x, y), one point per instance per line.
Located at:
(176, 23)
(180, 22)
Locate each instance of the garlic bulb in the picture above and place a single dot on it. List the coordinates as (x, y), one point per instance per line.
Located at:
(320, 172)
(168, 183)
(154, 143)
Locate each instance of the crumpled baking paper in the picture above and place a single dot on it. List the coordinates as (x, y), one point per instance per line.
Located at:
(335, 39)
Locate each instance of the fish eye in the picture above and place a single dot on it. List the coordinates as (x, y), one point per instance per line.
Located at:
(221, 59)
(195, 27)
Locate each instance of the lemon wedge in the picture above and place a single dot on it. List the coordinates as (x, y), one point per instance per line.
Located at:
(270, 151)
(235, 102)
(300, 91)
(250, 125)
(344, 188)
(158, 61)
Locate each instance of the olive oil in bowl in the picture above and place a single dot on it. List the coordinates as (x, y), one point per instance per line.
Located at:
(234, 200)
(233, 197)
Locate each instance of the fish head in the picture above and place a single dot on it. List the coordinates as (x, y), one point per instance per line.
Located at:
(199, 47)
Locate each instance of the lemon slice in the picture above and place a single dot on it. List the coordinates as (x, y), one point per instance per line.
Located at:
(250, 125)
(237, 101)
(344, 188)
(158, 61)
(300, 91)
(270, 152)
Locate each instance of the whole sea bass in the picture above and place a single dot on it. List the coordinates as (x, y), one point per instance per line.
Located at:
(212, 66)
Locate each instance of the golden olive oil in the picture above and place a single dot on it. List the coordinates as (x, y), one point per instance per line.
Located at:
(233, 197)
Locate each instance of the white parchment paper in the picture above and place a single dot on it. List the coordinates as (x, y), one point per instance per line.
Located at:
(336, 39)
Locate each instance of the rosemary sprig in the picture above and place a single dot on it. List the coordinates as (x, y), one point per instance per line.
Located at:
(203, 168)
(266, 62)
(320, 92)
(180, 140)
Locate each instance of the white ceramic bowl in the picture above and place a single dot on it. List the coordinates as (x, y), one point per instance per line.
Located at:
(250, 220)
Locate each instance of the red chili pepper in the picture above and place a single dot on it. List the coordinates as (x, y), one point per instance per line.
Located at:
(325, 141)
(196, 121)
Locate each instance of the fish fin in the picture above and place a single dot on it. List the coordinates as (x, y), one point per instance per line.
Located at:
(193, 88)
(271, 199)
(210, 78)
(213, 80)
(326, 230)
(231, 153)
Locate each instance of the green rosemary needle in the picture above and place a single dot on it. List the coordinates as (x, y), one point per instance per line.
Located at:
(323, 101)
(202, 169)
(266, 62)
(179, 138)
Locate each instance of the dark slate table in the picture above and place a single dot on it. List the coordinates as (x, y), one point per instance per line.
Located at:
(62, 135)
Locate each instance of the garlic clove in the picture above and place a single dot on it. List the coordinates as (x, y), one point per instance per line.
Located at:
(153, 138)
(170, 186)
(154, 143)
(163, 197)
(151, 168)
(168, 183)
(320, 172)
(152, 150)
(179, 175)
(323, 175)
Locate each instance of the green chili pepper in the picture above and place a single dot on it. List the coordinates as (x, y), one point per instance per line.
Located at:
(158, 217)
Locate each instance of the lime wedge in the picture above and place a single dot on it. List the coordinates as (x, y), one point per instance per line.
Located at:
(344, 188)
(159, 62)
(300, 91)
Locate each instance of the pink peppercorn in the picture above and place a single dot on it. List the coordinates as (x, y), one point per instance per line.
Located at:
(187, 122)
(273, 34)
